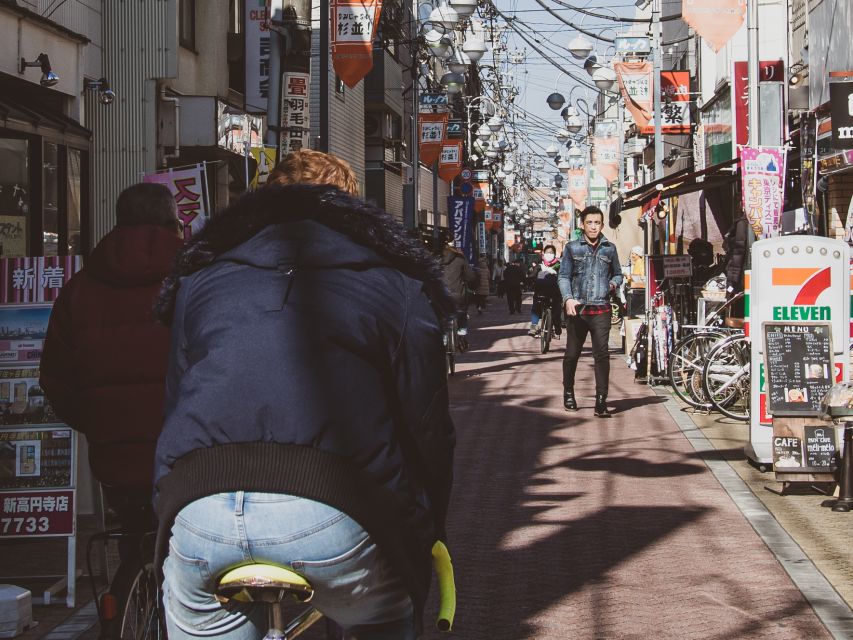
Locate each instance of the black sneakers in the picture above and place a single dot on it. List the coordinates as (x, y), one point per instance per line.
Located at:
(569, 401)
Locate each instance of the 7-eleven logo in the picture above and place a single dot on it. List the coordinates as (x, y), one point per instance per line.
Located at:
(812, 282)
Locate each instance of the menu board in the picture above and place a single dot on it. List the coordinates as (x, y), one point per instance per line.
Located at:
(799, 366)
(820, 448)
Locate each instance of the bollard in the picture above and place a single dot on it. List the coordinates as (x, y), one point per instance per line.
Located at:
(845, 484)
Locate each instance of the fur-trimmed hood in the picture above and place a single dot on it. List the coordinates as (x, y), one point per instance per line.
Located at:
(376, 240)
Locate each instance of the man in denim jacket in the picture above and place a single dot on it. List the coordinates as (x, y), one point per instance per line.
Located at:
(589, 272)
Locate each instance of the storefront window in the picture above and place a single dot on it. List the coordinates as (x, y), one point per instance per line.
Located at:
(74, 192)
(14, 197)
(50, 207)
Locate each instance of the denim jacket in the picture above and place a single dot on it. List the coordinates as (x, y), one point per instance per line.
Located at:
(586, 273)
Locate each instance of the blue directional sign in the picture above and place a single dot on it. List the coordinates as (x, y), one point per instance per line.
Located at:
(434, 99)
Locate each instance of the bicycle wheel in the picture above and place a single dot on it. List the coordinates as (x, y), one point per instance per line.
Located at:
(545, 329)
(726, 377)
(141, 619)
(685, 366)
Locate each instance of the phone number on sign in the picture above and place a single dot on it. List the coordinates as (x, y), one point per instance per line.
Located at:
(25, 514)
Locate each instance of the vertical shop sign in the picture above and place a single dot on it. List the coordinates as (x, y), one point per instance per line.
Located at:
(353, 26)
(295, 112)
(450, 161)
(841, 104)
(716, 21)
(769, 71)
(808, 172)
(36, 279)
(257, 56)
(675, 103)
(636, 82)
(433, 128)
(763, 174)
(461, 212)
(189, 187)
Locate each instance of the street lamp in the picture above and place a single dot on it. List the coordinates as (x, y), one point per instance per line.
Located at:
(551, 151)
(580, 47)
(604, 78)
(464, 8)
(495, 122)
(444, 15)
(459, 61)
(452, 82)
(555, 100)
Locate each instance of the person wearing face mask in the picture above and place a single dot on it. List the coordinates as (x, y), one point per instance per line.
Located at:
(546, 287)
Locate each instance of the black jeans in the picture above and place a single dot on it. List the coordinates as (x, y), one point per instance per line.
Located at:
(513, 297)
(576, 331)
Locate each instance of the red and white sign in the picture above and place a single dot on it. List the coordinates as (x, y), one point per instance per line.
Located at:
(189, 188)
(770, 71)
(607, 157)
(433, 129)
(295, 112)
(675, 103)
(450, 161)
(31, 514)
(353, 28)
(36, 279)
(578, 187)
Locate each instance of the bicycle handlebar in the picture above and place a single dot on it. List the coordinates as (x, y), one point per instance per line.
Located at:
(446, 586)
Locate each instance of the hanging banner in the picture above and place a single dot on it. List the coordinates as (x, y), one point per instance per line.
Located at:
(636, 81)
(354, 24)
(461, 213)
(433, 128)
(295, 112)
(578, 188)
(769, 71)
(763, 177)
(481, 194)
(257, 56)
(450, 161)
(189, 188)
(675, 103)
(607, 157)
(716, 21)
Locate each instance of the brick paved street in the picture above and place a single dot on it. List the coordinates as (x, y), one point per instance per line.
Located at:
(567, 526)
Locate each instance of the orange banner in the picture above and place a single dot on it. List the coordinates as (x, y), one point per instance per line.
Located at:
(450, 162)
(481, 194)
(716, 21)
(636, 82)
(353, 28)
(433, 133)
(607, 157)
(578, 187)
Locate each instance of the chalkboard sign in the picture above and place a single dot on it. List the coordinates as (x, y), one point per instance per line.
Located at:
(821, 448)
(798, 366)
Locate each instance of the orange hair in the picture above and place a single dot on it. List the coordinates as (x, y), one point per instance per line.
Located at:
(314, 167)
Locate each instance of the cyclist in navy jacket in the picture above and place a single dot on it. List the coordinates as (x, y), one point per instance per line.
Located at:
(307, 419)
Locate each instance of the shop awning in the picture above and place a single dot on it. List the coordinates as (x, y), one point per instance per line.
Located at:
(715, 176)
(36, 119)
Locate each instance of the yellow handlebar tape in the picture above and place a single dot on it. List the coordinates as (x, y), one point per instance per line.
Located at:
(446, 586)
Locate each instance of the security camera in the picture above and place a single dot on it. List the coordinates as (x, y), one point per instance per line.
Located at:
(102, 86)
(106, 97)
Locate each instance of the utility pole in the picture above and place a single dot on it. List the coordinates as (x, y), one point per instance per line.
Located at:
(753, 101)
(656, 61)
(411, 188)
(325, 23)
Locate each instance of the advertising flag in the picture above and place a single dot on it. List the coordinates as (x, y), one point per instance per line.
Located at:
(450, 161)
(461, 213)
(763, 177)
(578, 188)
(189, 188)
(353, 28)
(481, 194)
(716, 21)
(636, 82)
(433, 128)
(607, 157)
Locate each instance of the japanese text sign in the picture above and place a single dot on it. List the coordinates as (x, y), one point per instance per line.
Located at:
(461, 214)
(675, 103)
(578, 187)
(450, 161)
(189, 188)
(769, 71)
(762, 174)
(36, 279)
(295, 112)
(432, 135)
(636, 81)
(36, 514)
(353, 28)
(257, 56)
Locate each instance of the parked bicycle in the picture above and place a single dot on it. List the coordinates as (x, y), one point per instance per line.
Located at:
(451, 345)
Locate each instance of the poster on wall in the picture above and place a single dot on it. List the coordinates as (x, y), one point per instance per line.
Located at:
(36, 458)
(22, 400)
(23, 328)
(189, 187)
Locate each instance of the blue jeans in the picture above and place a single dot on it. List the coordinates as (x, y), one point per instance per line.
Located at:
(353, 584)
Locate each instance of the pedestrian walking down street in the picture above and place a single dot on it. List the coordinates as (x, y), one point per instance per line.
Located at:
(307, 418)
(498, 277)
(589, 272)
(483, 284)
(460, 277)
(114, 395)
(546, 287)
(513, 282)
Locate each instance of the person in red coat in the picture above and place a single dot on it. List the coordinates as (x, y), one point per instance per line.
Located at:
(105, 356)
